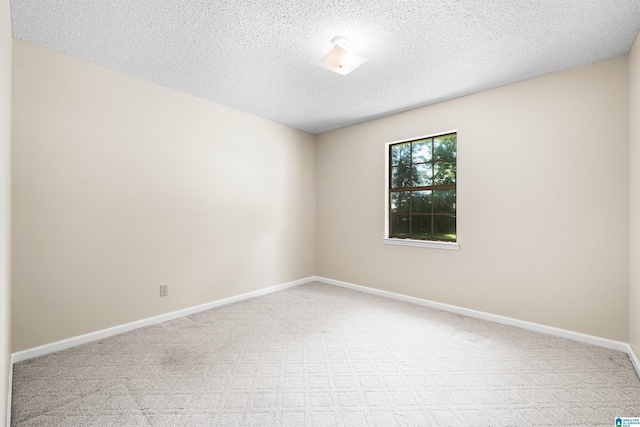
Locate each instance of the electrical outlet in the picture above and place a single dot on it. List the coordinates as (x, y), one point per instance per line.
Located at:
(164, 290)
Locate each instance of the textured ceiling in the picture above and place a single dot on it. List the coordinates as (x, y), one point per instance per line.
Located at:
(259, 56)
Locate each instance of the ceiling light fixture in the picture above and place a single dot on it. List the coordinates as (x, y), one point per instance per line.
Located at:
(340, 59)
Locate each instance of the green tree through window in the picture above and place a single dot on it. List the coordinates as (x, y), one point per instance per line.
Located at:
(422, 189)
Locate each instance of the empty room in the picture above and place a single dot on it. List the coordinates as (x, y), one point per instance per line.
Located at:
(302, 213)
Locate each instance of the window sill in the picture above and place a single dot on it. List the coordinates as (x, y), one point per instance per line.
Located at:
(451, 246)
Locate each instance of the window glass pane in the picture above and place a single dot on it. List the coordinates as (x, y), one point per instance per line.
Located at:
(421, 151)
(444, 147)
(421, 175)
(401, 176)
(421, 201)
(444, 227)
(444, 173)
(400, 153)
(422, 189)
(400, 202)
(421, 226)
(399, 225)
(444, 201)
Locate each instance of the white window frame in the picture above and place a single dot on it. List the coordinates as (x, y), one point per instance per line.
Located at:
(434, 244)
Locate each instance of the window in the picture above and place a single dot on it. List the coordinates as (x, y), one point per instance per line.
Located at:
(421, 189)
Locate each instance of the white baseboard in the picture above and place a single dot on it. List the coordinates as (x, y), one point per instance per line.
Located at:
(634, 359)
(105, 333)
(549, 330)
(9, 390)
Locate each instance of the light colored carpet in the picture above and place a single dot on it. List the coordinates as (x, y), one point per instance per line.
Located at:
(319, 355)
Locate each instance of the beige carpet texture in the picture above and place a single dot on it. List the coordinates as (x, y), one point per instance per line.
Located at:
(320, 355)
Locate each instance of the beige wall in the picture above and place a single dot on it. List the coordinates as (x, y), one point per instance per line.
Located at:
(121, 185)
(5, 210)
(634, 197)
(542, 203)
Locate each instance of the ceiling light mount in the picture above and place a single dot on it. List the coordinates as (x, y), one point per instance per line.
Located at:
(340, 59)
(341, 41)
